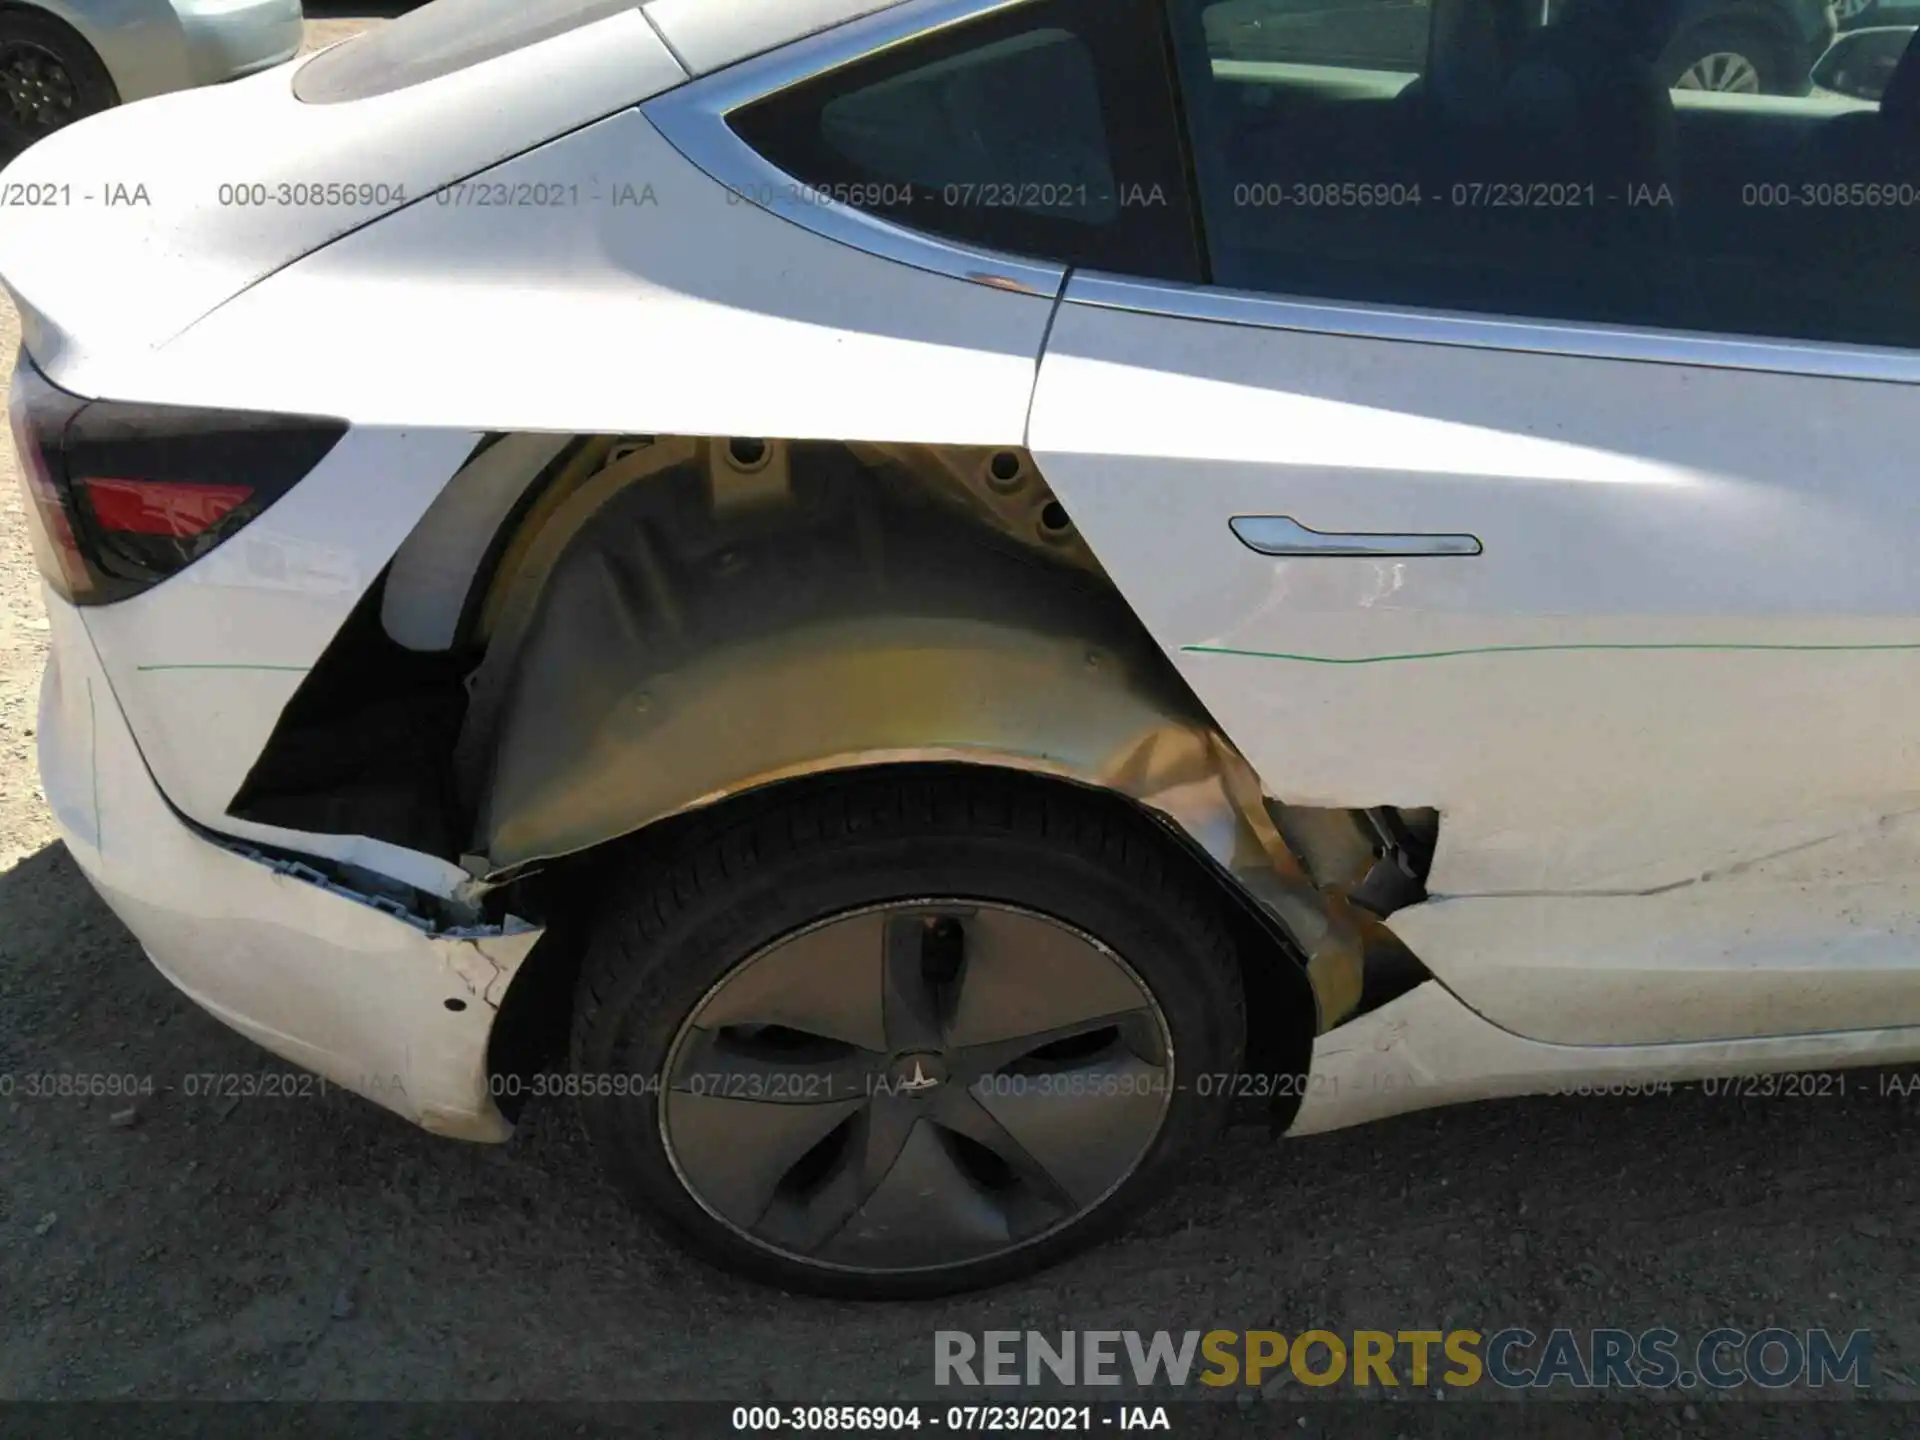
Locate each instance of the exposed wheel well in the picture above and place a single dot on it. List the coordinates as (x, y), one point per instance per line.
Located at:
(592, 642)
(530, 1035)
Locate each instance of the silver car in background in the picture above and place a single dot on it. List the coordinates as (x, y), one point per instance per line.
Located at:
(64, 59)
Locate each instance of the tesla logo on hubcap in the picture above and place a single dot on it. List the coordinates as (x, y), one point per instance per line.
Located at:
(916, 1074)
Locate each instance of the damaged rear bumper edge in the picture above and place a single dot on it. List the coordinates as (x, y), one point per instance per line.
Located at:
(346, 985)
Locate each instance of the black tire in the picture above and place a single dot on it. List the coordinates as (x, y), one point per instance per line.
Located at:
(1759, 50)
(59, 73)
(659, 952)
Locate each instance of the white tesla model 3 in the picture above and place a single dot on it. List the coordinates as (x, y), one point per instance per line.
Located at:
(916, 601)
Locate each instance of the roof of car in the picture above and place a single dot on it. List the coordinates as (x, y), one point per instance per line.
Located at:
(708, 34)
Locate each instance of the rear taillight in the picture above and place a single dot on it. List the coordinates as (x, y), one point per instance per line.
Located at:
(124, 495)
(147, 507)
(39, 415)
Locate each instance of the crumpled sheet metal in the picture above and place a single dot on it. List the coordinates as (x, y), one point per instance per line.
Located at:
(616, 718)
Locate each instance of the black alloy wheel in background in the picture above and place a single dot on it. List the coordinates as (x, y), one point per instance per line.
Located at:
(49, 77)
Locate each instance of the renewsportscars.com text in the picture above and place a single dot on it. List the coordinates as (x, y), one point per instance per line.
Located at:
(1512, 1358)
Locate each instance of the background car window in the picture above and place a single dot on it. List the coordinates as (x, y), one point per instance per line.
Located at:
(1560, 159)
(1049, 131)
(1365, 34)
(1863, 67)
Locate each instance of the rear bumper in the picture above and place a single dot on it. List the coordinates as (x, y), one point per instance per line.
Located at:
(321, 979)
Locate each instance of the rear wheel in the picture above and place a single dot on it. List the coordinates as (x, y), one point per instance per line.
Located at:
(912, 1035)
(49, 77)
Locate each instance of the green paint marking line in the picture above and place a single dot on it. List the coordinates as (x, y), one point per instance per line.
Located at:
(1524, 650)
(284, 669)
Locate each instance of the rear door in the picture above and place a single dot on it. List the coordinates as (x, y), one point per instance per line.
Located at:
(1563, 483)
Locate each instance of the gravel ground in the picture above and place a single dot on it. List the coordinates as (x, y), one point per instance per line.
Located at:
(321, 1249)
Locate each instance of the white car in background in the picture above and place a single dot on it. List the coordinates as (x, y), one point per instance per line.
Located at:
(1862, 63)
(939, 595)
(61, 60)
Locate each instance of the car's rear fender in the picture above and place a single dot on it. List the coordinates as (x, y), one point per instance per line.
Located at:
(674, 631)
(132, 225)
(204, 663)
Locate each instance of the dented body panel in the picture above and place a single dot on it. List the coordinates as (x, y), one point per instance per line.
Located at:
(1820, 937)
(1427, 1048)
(674, 658)
(367, 996)
(205, 665)
(1660, 712)
(1690, 641)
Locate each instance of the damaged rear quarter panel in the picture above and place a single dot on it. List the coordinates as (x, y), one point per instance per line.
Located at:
(675, 658)
(321, 976)
(1819, 936)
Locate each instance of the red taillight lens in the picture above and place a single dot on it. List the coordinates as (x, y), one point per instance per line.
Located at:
(180, 510)
(125, 495)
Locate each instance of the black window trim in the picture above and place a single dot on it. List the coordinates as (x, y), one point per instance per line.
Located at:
(1189, 159)
(1566, 339)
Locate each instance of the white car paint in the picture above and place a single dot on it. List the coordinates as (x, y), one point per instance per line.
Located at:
(164, 241)
(1427, 1049)
(706, 36)
(1649, 677)
(360, 997)
(751, 325)
(1617, 603)
(204, 663)
(353, 994)
(668, 304)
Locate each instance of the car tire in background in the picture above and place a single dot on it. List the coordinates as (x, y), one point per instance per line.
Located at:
(49, 77)
(1737, 59)
(914, 1033)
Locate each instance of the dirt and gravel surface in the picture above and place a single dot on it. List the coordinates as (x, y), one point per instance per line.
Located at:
(321, 1249)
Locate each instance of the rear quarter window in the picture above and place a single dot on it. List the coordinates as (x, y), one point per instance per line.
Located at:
(1046, 130)
(439, 39)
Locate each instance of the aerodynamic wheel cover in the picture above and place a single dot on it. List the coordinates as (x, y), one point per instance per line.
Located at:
(916, 1085)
